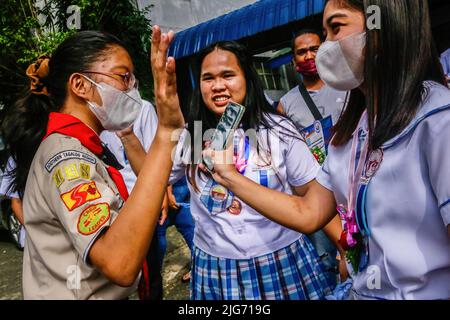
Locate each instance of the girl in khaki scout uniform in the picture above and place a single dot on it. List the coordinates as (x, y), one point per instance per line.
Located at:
(85, 241)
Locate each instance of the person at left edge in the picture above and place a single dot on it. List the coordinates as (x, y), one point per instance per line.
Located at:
(84, 241)
(445, 62)
(16, 202)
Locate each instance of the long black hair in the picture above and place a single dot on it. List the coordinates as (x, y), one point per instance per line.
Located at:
(399, 57)
(25, 123)
(259, 113)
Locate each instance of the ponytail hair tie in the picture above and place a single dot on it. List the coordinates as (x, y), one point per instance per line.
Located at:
(36, 72)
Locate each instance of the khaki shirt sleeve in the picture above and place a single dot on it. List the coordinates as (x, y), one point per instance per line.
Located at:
(82, 196)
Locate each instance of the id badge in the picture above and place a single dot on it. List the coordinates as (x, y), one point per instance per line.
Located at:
(317, 137)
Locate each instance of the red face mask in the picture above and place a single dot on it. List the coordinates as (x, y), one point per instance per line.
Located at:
(307, 68)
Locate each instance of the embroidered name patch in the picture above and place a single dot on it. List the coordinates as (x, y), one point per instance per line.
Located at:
(65, 155)
(92, 218)
(80, 195)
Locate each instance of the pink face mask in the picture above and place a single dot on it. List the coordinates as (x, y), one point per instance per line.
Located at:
(307, 68)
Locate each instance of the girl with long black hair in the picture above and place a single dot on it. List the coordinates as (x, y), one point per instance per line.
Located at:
(84, 241)
(238, 253)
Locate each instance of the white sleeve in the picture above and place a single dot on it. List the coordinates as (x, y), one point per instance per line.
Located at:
(324, 177)
(436, 148)
(7, 180)
(287, 107)
(284, 104)
(301, 165)
(180, 158)
(146, 124)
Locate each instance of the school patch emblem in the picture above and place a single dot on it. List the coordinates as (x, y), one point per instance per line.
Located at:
(66, 155)
(80, 195)
(92, 218)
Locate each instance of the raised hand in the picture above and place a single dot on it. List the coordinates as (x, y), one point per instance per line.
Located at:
(165, 81)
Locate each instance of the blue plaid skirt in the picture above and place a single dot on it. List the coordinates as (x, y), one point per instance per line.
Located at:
(292, 273)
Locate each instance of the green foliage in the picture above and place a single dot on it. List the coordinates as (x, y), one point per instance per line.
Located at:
(24, 36)
(353, 255)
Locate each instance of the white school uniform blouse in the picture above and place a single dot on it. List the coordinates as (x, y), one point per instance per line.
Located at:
(250, 234)
(408, 206)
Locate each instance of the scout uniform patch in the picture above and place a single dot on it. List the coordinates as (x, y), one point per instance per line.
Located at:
(58, 178)
(71, 172)
(85, 171)
(80, 195)
(92, 218)
(66, 155)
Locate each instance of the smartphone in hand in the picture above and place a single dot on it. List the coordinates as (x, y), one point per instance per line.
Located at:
(228, 123)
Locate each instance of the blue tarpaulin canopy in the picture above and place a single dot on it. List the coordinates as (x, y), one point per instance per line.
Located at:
(245, 22)
(280, 58)
(279, 61)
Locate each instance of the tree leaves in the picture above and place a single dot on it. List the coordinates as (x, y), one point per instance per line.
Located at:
(23, 37)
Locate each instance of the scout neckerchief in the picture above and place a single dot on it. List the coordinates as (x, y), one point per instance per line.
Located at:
(73, 127)
(217, 198)
(70, 126)
(363, 166)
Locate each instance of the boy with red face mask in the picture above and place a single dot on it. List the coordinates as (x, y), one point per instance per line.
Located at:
(327, 101)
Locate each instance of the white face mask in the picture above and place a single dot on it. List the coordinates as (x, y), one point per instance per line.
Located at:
(119, 110)
(340, 64)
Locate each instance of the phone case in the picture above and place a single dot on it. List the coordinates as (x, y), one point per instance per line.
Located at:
(229, 121)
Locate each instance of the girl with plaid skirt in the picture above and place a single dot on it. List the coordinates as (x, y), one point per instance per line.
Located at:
(238, 253)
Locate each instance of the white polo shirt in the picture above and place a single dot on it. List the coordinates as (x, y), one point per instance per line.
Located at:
(328, 101)
(145, 129)
(408, 206)
(249, 234)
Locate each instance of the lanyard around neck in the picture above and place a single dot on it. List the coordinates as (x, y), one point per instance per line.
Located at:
(360, 146)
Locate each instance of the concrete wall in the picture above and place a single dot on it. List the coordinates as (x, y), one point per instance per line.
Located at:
(181, 14)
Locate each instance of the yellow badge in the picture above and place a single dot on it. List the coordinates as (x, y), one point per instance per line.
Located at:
(81, 194)
(85, 171)
(92, 218)
(58, 178)
(71, 172)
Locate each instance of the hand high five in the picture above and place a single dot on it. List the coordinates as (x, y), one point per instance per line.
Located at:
(165, 81)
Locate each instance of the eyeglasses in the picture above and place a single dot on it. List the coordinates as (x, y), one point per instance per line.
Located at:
(128, 79)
